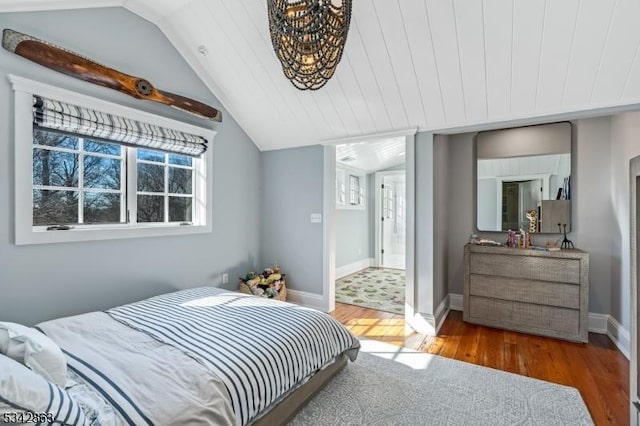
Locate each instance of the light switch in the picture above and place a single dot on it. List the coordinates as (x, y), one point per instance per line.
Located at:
(316, 218)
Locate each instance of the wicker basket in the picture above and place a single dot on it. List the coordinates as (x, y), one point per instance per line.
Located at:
(282, 294)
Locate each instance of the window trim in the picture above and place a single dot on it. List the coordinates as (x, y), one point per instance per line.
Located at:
(348, 172)
(26, 233)
(80, 189)
(354, 190)
(341, 187)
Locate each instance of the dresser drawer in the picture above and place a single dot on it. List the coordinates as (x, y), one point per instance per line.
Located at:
(529, 267)
(516, 289)
(523, 316)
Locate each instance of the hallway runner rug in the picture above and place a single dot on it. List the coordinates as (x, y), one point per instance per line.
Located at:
(374, 288)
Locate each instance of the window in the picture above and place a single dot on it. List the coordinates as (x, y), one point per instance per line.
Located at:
(165, 187)
(341, 187)
(85, 169)
(76, 181)
(354, 190)
(400, 209)
(350, 188)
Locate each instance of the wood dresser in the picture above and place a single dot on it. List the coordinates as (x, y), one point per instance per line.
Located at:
(531, 291)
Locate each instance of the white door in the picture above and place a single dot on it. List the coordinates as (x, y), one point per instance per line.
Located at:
(393, 222)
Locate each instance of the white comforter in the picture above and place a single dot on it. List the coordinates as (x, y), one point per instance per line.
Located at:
(197, 356)
(139, 375)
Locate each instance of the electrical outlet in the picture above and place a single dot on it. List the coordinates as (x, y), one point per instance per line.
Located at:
(225, 278)
(316, 218)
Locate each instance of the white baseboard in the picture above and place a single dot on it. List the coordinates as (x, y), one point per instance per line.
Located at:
(430, 324)
(441, 312)
(620, 336)
(455, 302)
(422, 323)
(354, 267)
(309, 300)
(598, 323)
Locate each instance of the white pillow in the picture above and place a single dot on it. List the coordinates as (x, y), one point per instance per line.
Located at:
(26, 397)
(35, 350)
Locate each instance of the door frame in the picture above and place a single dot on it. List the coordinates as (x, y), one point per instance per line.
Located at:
(378, 177)
(634, 394)
(329, 207)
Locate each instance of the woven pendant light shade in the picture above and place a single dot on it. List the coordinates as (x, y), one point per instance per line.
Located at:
(308, 37)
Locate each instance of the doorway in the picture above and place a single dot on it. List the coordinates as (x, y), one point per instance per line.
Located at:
(510, 205)
(518, 198)
(634, 260)
(370, 223)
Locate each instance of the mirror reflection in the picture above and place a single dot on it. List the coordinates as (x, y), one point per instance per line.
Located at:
(524, 179)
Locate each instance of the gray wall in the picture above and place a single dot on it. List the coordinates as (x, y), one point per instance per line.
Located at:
(625, 141)
(424, 223)
(354, 231)
(53, 280)
(592, 212)
(525, 141)
(442, 191)
(292, 189)
(591, 208)
(461, 211)
(488, 211)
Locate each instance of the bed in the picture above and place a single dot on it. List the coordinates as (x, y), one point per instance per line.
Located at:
(199, 356)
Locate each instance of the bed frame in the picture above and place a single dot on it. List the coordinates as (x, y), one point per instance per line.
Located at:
(287, 408)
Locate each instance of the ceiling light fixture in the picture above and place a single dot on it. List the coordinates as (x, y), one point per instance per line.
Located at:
(308, 37)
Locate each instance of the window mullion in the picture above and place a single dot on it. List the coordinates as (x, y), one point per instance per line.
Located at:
(124, 201)
(194, 191)
(132, 185)
(166, 188)
(80, 180)
(55, 148)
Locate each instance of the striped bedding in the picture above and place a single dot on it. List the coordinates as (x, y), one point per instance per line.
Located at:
(198, 356)
(260, 348)
(26, 396)
(122, 376)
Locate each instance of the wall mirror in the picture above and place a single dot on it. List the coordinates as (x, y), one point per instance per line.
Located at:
(524, 179)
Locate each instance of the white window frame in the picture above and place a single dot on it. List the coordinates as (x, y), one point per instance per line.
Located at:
(354, 190)
(26, 233)
(80, 189)
(361, 195)
(341, 187)
(133, 192)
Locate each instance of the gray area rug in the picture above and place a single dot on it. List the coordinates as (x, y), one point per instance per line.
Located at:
(388, 385)
(375, 288)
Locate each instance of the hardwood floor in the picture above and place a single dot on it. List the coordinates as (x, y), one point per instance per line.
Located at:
(597, 369)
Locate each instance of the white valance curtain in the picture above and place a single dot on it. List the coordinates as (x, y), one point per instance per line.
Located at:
(72, 119)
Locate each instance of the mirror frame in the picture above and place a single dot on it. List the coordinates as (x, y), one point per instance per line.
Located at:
(528, 152)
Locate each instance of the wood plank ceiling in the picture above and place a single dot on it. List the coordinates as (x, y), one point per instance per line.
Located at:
(426, 64)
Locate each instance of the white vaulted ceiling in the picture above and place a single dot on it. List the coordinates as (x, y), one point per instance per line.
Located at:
(426, 64)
